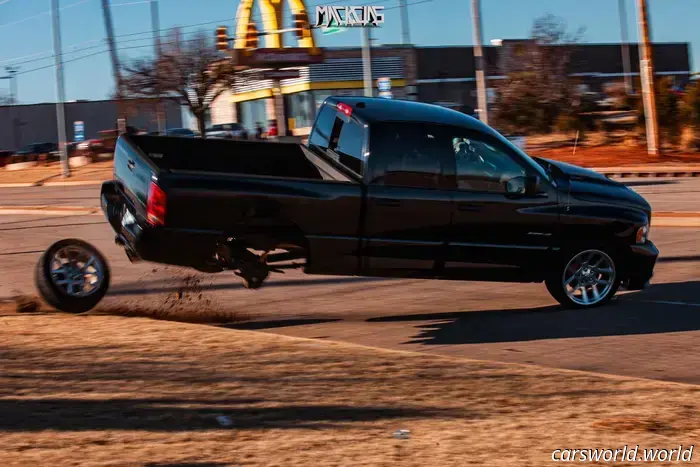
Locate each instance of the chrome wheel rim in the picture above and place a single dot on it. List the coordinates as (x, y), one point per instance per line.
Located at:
(589, 277)
(76, 271)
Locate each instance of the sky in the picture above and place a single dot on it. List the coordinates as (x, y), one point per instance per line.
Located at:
(26, 38)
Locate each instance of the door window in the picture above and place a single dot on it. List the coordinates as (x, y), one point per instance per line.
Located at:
(409, 155)
(483, 165)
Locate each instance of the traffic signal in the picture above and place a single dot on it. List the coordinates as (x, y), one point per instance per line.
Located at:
(222, 38)
(301, 25)
(251, 37)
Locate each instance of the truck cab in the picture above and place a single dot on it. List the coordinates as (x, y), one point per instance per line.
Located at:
(446, 196)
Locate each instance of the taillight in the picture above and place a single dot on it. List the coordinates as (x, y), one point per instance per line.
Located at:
(344, 108)
(155, 207)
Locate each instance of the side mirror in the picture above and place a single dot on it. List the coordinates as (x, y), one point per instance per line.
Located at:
(523, 186)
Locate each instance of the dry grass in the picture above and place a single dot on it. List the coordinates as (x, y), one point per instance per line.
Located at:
(102, 390)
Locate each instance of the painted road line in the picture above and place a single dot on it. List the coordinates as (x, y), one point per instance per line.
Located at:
(75, 183)
(48, 211)
(674, 221)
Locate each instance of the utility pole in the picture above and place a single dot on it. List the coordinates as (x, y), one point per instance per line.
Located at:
(626, 62)
(367, 61)
(106, 12)
(155, 25)
(60, 90)
(646, 69)
(479, 64)
(405, 33)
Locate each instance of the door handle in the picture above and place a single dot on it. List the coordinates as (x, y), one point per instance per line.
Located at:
(391, 203)
(468, 208)
(131, 164)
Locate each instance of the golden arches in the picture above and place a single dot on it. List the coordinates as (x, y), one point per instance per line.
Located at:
(272, 19)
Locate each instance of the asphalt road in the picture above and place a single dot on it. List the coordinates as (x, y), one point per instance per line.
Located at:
(650, 334)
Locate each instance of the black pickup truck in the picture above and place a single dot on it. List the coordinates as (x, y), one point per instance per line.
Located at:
(383, 188)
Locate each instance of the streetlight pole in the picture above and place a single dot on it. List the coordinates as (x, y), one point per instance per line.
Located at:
(626, 62)
(479, 64)
(367, 61)
(155, 24)
(60, 90)
(646, 69)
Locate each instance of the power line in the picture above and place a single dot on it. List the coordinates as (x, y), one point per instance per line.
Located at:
(146, 38)
(42, 13)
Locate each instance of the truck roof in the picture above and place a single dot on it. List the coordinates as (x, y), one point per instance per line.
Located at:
(375, 109)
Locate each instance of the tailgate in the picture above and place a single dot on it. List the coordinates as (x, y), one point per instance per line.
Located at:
(133, 170)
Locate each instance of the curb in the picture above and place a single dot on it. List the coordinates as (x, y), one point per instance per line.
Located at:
(623, 172)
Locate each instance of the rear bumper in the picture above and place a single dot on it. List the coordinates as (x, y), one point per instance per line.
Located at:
(179, 247)
(640, 266)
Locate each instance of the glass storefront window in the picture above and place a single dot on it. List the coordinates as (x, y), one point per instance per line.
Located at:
(252, 113)
(300, 108)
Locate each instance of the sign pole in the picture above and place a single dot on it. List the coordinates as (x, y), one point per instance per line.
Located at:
(366, 61)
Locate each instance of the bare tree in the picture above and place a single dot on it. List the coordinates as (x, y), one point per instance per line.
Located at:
(191, 72)
(538, 87)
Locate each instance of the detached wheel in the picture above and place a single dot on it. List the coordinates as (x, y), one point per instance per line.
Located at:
(72, 276)
(585, 279)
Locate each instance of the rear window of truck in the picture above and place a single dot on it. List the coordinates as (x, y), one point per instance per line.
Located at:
(341, 137)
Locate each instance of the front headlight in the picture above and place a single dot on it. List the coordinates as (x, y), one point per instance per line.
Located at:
(643, 234)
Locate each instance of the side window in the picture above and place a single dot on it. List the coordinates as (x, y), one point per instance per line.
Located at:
(349, 146)
(324, 125)
(409, 155)
(483, 166)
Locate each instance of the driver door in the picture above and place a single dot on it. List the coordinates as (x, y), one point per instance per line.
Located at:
(495, 232)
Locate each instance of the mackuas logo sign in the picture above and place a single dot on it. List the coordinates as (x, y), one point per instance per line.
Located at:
(348, 16)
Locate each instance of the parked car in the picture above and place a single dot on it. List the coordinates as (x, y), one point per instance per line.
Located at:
(181, 132)
(32, 152)
(227, 131)
(384, 188)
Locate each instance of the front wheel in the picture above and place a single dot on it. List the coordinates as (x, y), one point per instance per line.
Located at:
(584, 279)
(72, 276)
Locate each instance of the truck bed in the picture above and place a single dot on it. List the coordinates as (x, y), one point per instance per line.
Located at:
(228, 157)
(263, 194)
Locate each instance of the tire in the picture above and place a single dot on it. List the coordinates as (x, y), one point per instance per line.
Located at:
(64, 297)
(599, 282)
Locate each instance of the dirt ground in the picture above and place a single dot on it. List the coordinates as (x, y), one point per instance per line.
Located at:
(113, 391)
(612, 156)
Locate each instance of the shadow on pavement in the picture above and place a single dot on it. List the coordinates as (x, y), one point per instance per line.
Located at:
(279, 323)
(678, 259)
(650, 182)
(631, 314)
(22, 415)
